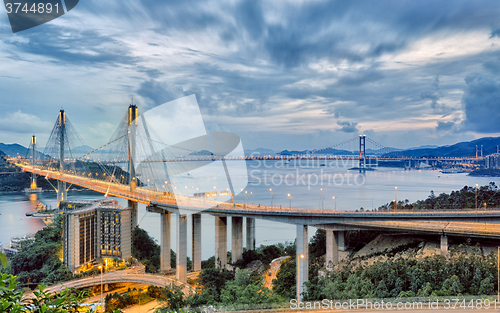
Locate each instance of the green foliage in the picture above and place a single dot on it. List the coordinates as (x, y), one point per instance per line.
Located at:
(245, 289)
(173, 296)
(284, 284)
(265, 253)
(119, 301)
(213, 280)
(146, 250)
(13, 301)
(461, 199)
(467, 273)
(317, 244)
(210, 263)
(40, 261)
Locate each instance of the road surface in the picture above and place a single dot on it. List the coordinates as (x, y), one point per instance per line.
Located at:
(275, 267)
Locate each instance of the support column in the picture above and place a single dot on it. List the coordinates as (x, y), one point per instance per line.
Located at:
(181, 272)
(133, 205)
(444, 243)
(237, 238)
(332, 248)
(61, 186)
(132, 124)
(302, 260)
(340, 240)
(196, 242)
(250, 233)
(165, 264)
(220, 242)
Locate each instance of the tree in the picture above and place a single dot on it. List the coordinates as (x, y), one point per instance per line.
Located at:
(213, 280)
(40, 261)
(173, 296)
(284, 285)
(245, 290)
(13, 301)
(453, 285)
(487, 287)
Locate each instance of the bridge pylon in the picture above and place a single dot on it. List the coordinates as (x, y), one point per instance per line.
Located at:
(362, 153)
(61, 186)
(132, 124)
(33, 185)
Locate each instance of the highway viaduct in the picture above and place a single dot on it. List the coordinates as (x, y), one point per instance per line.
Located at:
(468, 223)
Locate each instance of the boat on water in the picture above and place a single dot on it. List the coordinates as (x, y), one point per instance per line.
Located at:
(33, 190)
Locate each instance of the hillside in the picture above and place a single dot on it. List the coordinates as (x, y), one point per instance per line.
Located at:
(461, 149)
(13, 149)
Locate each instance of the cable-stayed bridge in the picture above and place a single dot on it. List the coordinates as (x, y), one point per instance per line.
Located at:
(141, 169)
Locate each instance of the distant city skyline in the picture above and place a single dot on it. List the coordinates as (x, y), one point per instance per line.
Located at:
(282, 75)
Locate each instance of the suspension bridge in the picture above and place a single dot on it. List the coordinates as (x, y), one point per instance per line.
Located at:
(137, 167)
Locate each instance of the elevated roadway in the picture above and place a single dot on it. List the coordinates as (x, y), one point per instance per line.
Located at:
(122, 277)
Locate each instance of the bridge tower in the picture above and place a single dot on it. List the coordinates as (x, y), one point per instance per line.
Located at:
(132, 123)
(33, 185)
(362, 153)
(61, 186)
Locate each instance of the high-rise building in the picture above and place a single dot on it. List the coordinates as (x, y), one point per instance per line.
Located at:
(95, 230)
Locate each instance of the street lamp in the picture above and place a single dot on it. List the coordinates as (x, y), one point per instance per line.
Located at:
(322, 199)
(290, 200)
(396, 201)
(476, 197)
(271, 190)
(102, 309)
(298, 278)
(334, 198)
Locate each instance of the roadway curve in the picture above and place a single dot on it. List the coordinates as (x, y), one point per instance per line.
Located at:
(122, 277)
(275, 267)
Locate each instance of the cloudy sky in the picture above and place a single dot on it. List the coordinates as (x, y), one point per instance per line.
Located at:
(281, 74)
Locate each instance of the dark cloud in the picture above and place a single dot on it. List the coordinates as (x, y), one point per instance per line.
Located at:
(492, 66)
(78, 47)
(444, 126)
(347, 127)
(263, 59)
(158, 93)
(495, 33)
(481, 103)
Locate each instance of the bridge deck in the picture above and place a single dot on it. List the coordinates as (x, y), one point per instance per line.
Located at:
(483, 223)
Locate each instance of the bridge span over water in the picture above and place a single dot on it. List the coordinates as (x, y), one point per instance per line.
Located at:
(469, 223)
(120, 181)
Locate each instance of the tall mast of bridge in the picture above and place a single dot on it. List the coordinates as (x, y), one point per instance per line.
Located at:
(132, 124)
(61, 186)
(362, 154)
(33, 175)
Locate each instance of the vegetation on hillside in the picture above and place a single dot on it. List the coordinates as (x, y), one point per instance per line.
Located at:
(40, 260)
(456, 200)
(147, 251)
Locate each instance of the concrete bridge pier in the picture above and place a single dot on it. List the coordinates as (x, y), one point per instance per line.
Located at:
(250, 233)
(341, 241)
(62, 194)
(302, 260)
(181, 270)
(237, 238)
(220, 242)
(134, 206)
(444, 243)
(332, 248)
(165, 241)
(196, 241)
